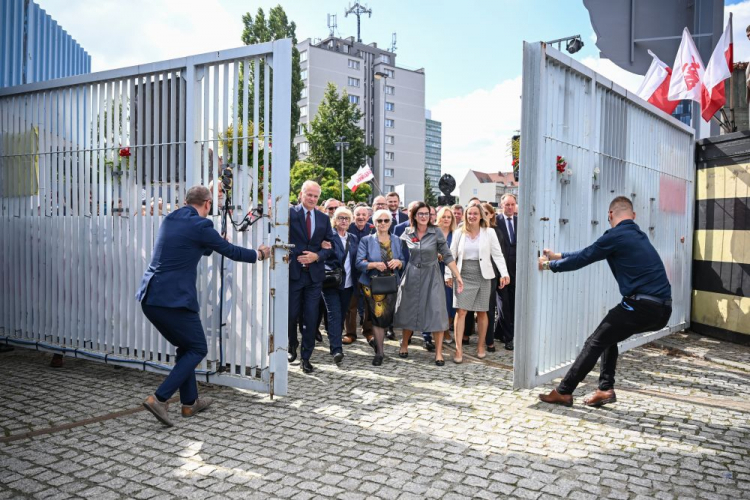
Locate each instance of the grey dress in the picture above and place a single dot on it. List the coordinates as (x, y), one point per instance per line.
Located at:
(420, 304)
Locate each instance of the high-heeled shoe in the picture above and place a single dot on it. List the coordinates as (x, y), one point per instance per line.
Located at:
(377, 361)
(481, 355)
(458, 359)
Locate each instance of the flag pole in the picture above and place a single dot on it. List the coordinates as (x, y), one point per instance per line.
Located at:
(732, 125)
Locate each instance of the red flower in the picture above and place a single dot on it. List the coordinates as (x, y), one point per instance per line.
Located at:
(124, 152)
(415, 239)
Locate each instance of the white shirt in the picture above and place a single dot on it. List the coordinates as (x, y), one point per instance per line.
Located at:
(471, 248)
(347, 262)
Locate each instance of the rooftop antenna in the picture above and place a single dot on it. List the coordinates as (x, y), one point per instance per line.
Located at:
(358, 9)
(332, 25)
(393, 43)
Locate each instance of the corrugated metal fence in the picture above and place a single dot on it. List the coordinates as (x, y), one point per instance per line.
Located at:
(34, 48)
(89, 165)
(614, 144)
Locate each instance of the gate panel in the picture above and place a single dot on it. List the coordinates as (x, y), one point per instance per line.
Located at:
(614, 144)
(90, 165)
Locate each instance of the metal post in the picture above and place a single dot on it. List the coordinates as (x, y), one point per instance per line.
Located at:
(341, 145)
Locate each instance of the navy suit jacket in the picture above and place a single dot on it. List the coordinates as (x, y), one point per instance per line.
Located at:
(336, 259)
(400, 228)
(509, 251)
(298, 238)
(184, 237)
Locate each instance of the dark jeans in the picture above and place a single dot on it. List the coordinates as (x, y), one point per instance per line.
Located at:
(337, 304)
(183, 329)
(624, 320)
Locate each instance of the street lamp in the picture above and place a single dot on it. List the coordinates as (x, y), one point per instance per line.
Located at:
(381, 175)
(342, 146)
(572, 43)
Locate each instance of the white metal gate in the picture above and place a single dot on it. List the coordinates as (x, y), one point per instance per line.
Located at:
(90, 165)
(614, 144)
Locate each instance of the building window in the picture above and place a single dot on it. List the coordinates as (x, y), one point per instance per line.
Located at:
(353, 64)
(303, 111)
(385, 59)
(389, 139)
(475, 191)
(303, 56)
(354, 99)
(390, 155)
(389, 106)
(389, 72)
(388, 172)
(302, 129)
(345, 49)
(303, 147)
(303, 94)
(388, 123)
(353, 82)
(389, 188)
(389, 90)
(303, 74)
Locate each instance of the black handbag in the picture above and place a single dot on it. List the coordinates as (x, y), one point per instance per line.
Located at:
(384, 285)
(334, 277)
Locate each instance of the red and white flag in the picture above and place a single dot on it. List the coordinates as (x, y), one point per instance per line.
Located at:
(719, 69)
(687, 72)
(363, 175)
(655, 86)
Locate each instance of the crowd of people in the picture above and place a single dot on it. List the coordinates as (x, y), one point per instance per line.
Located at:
(445, 272)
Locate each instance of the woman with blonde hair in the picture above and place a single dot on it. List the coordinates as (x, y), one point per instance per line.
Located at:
(475, 248)
(379, 254)
(446, 223)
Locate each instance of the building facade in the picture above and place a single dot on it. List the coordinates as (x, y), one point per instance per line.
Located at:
(487, 187)
(34, 48)
(393, 106)
(433, 152)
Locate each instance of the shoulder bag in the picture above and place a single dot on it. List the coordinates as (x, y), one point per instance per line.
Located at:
(384, 284)
(335, 277)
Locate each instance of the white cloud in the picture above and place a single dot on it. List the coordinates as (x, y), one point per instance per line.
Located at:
(610, 70)
(477, 129)
(740, 22)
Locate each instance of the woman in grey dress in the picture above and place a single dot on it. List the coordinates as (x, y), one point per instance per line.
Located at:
(475, 248)
(420, 304)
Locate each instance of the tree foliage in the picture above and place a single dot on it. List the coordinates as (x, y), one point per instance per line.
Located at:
(329, 180)
(336, 118)
(260, 30)
(429, 194)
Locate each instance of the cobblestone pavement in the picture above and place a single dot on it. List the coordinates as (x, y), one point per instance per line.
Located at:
(408, 429)
(737, 356)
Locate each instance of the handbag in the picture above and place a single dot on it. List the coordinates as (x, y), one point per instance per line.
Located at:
(384, 284)
(335, 277)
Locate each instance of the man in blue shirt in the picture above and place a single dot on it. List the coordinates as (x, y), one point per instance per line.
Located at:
(646, 305)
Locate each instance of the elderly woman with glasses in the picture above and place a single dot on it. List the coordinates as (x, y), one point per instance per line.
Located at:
(420, 304)
(337, 296)
(379, 254)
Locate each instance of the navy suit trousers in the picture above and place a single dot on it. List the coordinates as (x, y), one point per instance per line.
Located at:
(304, 297)
(183, 329)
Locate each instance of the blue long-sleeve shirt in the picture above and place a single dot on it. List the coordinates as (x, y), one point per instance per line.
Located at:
(632, 258)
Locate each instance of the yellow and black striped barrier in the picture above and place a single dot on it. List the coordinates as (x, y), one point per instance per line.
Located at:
(721, 254)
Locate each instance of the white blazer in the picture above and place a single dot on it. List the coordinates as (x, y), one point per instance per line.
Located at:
(489, 250)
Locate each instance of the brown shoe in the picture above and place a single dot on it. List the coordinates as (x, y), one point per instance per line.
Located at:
(555, 398)
(158, 409)
(57, 361)
(600, 398)
(348, 339)
(197, 407)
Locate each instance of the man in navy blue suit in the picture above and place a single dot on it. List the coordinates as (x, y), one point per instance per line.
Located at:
(308, 229)
(169, 298)
(507, 222)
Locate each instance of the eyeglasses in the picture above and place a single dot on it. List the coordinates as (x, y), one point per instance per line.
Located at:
(342, 218)
(423, 214)
(383, 221)
(331, 209)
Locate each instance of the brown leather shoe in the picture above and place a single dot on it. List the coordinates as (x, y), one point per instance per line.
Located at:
(555, 398)
(600, 398)
(348, 339)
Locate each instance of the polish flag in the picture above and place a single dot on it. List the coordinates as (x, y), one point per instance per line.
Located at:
(687, 72)
(719, 69)
(655, 85)
(363, 175)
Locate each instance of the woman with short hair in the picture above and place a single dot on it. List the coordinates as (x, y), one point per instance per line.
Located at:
(475, 248)
(446, 223)
(379, 254)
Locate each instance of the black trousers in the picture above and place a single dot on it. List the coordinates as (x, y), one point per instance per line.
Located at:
(624, 320)
(505, 326)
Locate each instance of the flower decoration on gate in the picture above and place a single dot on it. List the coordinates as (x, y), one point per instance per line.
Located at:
(561, 164)
(125, 152)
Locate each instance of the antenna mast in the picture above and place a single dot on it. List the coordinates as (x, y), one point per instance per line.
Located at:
(393, 43)
(358, 9)
(332, 24)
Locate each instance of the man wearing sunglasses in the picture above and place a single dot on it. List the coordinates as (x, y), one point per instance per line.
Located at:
(169, 298)
(645, 307)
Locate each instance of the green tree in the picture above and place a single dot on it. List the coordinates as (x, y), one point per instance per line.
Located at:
(336, 118)
(260, 30)
(329, 180)
(429, 195)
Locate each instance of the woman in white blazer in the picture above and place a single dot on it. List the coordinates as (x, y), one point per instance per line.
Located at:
(475, 247)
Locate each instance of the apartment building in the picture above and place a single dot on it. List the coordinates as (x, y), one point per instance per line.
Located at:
(433, 152)
(392, 100)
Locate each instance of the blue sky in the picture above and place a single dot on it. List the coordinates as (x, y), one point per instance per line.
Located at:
(471, 50)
